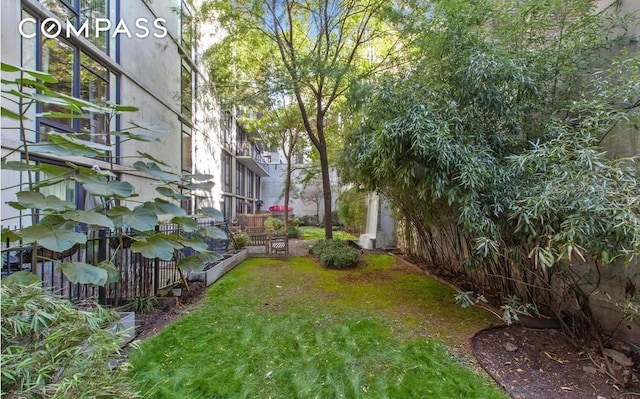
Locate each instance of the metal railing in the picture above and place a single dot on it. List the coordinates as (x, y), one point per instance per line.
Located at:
(139, 276)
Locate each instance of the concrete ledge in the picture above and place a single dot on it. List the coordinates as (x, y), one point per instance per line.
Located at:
(212, 274)
(125, 326)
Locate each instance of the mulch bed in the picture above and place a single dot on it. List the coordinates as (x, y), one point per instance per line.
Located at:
(532, 363)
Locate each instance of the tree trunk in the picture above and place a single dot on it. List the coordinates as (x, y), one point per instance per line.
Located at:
(287, 188)
(326, 192)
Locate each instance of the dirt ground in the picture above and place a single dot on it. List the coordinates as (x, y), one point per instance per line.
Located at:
(533, 363)
(527, 363)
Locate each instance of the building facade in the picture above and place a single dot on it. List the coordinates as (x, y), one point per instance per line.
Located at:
(145, 54)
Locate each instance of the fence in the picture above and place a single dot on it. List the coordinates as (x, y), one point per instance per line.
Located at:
(139, 276)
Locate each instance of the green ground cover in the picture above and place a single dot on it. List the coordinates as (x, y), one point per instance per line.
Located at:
(317, 233)
(288, 328)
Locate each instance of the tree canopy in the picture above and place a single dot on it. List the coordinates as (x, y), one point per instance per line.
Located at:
(493, 132)
(312, 51)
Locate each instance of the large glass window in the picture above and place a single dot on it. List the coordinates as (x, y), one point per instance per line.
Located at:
(240, 189)
(226, 172)
(81, 12)
(78, 74)
(94, 87)
(250, 180)
(187, 158)
(187, 92)
(258, 193)
(187, 28)
(58, 59)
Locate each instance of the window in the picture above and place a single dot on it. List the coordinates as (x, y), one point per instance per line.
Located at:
(187, 92)
(79, 12)
(250, 179)
(239, 205)
(64, 190)
(94, 87)
(187, 158)
(240, 189)
(79, 74)
(226, 207)
(226, 172)
(258, 193)
(58, 59)
(187, 28)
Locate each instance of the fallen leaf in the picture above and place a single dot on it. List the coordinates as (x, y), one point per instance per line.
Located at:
(555, 357)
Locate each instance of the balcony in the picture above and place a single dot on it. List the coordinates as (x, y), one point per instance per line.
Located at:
(249, 155)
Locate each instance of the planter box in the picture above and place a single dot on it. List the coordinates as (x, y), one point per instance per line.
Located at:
(211, 275)
(127, 323)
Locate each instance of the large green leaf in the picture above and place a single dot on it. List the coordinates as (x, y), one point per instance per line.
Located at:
(134, 136)
(103, 187)
(188, 224)
(212, 213)
(84, 273)
(140, 218)
(204, 186)
(162, 207)
(34, 199)
(191, 263)
(45, 77)
(113, 274)
(84, 171)
(154, 247)
(212, 232)
(64, 139)
(88, 217)
(210, 256)
(199, 177)
(22, 277)
(124, 108)
(152, 158)
(80, 103)
(6, 113)
(52, 237)
(53, 170)
(168, 192)
(194, 242)
(9, 236)
(53, 99)
(150, 128)
(67, 150)
(17, 166)
(153, 170)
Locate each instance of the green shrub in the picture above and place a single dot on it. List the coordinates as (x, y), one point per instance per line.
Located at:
(293, 232)
(336, 254)
(352, 210)
(143, 304)
(240, 240)
(50, 349)
(273, 225)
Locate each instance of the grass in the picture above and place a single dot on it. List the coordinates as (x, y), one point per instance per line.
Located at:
(317, 233)
(288, 328)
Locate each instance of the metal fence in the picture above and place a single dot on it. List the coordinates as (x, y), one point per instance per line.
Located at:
(139, 276)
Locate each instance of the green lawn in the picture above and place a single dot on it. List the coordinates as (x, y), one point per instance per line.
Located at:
(317, 233)
(288, 328)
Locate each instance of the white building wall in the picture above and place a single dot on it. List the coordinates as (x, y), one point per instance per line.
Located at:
(149, 72)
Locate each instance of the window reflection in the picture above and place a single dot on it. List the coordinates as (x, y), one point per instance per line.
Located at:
(187, 93)
(94, 88)
(61, 10)
(90, 10)
(57, 60)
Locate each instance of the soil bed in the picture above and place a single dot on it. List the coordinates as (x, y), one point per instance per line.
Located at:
(532, 363)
